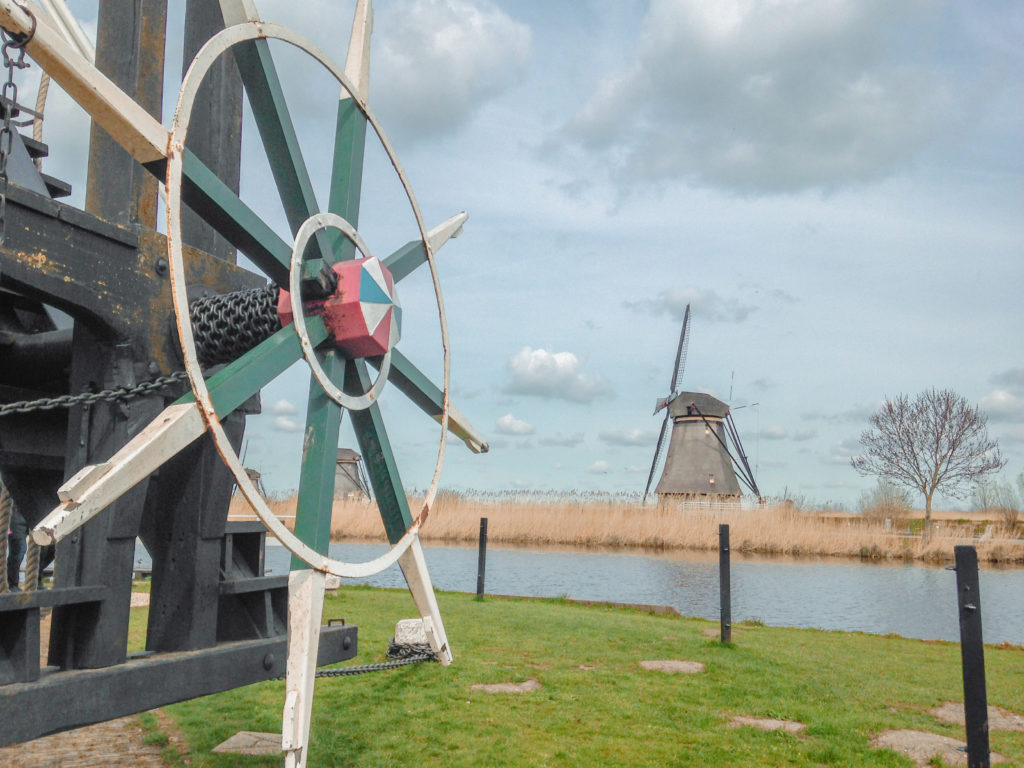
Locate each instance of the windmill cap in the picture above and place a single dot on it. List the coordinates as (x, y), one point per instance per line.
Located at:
(706, 405)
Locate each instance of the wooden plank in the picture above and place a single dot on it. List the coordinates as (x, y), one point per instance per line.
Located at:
(127, 122)
(144, 682)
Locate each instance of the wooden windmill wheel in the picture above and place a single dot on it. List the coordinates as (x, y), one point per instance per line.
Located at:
(330, 302)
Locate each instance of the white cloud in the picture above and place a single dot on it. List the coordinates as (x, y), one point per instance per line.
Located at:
(774, 432)
(510, 425)
(283, 408)
(846, 449)
(437, 61)
(285, 424)
(599, 468)
(805, 434)
(1002, 405)
(1011, 379)
(627, 437)
(563, 441)
(705, 304)
(767, 96)
(555, 375)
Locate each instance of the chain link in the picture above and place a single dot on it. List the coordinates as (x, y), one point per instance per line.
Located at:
(399, 655)
(227, 325)
(9, 99)
(87, 398)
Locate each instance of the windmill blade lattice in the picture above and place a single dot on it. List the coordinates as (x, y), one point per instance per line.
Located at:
(677, 378)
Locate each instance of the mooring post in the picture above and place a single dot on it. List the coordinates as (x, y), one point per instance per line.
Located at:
(972, 654)
(481, 564)
(723, 582)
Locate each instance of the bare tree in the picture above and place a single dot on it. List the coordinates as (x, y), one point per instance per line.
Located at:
(1000, 499)
(937, 441)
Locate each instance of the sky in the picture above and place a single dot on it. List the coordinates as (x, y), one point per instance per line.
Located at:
(835, 188)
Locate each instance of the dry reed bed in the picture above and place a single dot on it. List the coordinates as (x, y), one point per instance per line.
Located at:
(584, 523)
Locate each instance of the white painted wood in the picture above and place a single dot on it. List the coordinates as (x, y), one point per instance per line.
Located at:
(305, 612)
(414, 568)
(81, 480)
(460, 427)
(66, 23)
(238, 12)
(92, 490)
(130, 125)
(447, 230)
(357, 63)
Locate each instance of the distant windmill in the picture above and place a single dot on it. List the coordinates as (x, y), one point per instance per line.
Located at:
(349, 477)
(699, 462)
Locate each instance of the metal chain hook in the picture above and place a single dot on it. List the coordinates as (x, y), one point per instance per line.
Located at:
(9, 99)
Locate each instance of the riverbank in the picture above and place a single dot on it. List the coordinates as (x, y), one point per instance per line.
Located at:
(593, 701)
(600, 522)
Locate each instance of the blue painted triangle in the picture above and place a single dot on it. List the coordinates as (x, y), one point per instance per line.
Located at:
(370, 291)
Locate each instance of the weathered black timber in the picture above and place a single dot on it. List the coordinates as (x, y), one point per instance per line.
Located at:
(130, 51)
(62, 700)
(19, 629)
(972, 654)
(215, 131)
(724, 583)
(183, 530)
(112, 278)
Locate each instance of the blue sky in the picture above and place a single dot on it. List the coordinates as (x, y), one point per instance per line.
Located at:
(836, 189)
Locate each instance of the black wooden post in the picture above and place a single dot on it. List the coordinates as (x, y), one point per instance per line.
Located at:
(725, 595)
(481, 564)
(972, 654)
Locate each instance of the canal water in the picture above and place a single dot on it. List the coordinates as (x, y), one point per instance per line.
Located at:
(909, 600)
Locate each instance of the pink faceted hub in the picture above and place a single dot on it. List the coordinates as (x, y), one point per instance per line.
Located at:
(364, 314)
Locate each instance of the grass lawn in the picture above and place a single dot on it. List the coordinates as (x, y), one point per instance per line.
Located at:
(597, 706)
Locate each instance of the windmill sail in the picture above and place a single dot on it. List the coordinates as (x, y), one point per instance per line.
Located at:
(677, 377)
(680, 364)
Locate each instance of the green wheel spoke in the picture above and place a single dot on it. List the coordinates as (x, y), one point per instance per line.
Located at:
(244, 377)
(347, 172)
(319, 458)
(221, 208)
(406, 259)
(379, 458)
(277, 132)
(427, 396)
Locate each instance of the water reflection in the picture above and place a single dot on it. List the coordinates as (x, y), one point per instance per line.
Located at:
(909, 600)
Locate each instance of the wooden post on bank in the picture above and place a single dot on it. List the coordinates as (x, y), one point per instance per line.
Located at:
(972, 655)
(481, 564)
(725, 595)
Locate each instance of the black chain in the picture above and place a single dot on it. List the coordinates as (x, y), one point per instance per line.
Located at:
(228, 325)
(400, 655)
(9, 99)
(87, 398)
(225, 327)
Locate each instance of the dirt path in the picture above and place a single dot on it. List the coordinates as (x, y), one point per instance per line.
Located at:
(114, 744)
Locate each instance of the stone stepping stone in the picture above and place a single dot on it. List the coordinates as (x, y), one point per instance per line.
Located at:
(923, 747)
(251, 743)
(524, 687)
(999, 719)
(766, 724)
(673, 666)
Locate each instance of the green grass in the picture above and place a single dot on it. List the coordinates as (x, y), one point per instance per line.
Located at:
(845, 687)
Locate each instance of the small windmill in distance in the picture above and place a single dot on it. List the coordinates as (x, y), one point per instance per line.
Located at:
(699, 462)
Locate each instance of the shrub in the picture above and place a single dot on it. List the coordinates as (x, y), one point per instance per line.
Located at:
(885, 500)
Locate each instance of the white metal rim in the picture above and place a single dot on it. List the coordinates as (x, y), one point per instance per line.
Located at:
(197, 71)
